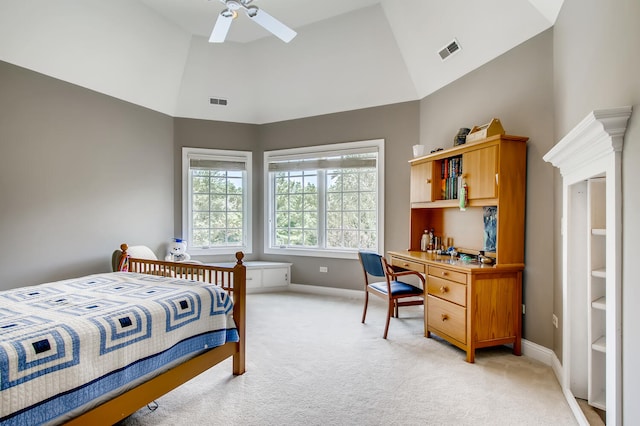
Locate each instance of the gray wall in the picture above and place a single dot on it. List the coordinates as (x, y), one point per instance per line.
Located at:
(80, 173)
(398, 125)
(516, 87)
(596, 65)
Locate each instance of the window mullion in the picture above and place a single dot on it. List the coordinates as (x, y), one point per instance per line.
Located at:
(322, 209)
(272, 210)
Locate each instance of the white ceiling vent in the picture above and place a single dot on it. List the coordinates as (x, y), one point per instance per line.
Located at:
(449, 49)
(218, 101)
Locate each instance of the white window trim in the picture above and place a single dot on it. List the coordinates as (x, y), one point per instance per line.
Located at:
(297, 152)
(227, 155)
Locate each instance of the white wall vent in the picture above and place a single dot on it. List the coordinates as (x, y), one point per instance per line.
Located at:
(449, 49)
(218, 101)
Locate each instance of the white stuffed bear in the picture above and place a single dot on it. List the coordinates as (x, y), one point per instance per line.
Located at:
(177, 251)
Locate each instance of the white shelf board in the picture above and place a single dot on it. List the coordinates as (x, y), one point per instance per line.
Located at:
(600, 345)
(599, 232)
(600, 303)
(600, 273)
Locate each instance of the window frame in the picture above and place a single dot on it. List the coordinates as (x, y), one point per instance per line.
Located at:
(308, 152)
(247, 198)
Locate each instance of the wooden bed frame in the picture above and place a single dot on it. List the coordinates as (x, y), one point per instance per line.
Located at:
(233, 280)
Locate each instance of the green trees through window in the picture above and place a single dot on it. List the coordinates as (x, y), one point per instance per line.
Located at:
(216, 200)
(296, 210)
(217, 208)
(325, 201)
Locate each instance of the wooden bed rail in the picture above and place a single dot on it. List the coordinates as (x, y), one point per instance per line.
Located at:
(233, 280)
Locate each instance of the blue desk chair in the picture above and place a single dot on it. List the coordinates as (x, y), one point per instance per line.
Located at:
(390, 289)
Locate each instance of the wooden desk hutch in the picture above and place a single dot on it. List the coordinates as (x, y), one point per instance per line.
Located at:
(468, 303)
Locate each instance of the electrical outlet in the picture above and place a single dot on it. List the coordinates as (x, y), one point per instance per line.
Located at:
(324, 269)
(554, 320)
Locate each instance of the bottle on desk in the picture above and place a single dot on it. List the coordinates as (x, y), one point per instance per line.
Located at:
(424, 241)
(432, 241)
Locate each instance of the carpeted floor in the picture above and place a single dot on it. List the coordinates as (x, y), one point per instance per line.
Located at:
(311, 362)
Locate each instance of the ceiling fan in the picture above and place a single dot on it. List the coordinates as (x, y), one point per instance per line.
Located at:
(262, 18)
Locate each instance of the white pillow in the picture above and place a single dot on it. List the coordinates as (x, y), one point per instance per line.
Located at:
(141, 252)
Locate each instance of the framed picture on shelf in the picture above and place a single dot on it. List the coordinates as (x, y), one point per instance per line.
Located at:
(490, 216)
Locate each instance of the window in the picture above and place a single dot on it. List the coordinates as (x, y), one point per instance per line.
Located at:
(216, 197)
(325, 200)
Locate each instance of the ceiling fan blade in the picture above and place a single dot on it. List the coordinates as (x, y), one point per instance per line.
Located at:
(271, 24)
(220, 30)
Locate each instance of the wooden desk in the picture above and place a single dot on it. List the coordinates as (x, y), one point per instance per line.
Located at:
(470, 305)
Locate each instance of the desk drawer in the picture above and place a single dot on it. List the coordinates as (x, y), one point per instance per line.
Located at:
(447, 318)
(448, 274)
(448, 290)
(407, 264)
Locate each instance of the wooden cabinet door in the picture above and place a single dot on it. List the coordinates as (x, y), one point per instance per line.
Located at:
(421, 182)
(480, 168)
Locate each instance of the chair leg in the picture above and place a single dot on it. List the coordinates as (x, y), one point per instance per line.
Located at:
(396, 305)
(366, 302)
(389, 313)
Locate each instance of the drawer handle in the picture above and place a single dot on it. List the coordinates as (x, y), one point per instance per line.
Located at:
(428, 181)
(444, 317)
(444, 274)
(444, 289)
(406, 264)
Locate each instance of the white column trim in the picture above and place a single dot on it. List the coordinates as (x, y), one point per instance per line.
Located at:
(594, 148)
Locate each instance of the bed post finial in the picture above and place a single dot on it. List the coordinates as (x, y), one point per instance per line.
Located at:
(239, 257)
(124, 248)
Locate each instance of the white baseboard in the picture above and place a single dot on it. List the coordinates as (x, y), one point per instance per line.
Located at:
(556, 365)
(558, 370)
(538, 352)
(575, 407)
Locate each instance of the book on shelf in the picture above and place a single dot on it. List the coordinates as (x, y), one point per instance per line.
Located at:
(450, 173)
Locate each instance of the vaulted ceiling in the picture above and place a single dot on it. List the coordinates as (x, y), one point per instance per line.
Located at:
(347, 54)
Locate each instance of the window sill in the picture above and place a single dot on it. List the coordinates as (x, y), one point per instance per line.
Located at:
(346, 254)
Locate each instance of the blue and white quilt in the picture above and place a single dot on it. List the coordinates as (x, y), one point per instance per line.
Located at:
(64, 344)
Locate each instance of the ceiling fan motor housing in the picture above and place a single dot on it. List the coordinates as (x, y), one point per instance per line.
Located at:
(236, 4)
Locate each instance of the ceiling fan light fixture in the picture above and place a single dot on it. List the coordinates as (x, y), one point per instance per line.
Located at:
(252, 11)
(228, 13)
